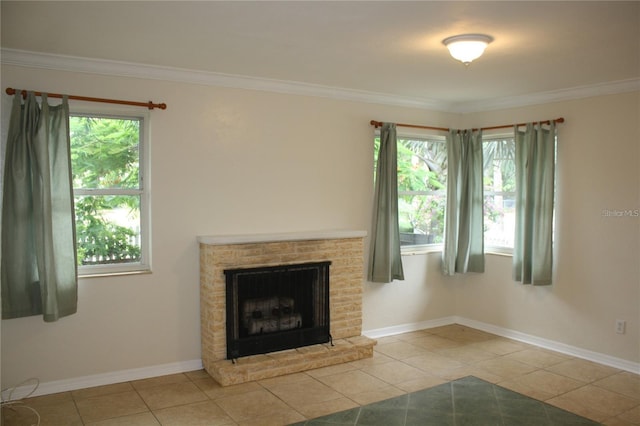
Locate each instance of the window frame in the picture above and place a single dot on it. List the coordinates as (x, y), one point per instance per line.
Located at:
(407, 250)
(143, 190)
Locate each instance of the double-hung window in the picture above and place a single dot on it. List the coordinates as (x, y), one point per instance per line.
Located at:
(422, 192)
(111, 196)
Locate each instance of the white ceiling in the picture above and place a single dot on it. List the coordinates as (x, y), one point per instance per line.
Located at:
(384, 47)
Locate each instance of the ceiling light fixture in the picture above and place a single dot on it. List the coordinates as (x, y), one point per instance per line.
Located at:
(467, 47)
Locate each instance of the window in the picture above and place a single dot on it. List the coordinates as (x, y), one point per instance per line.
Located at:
(110, 193)
(422, 191)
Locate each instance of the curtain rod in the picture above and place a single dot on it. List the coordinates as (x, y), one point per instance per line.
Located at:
(377, 124)
(149, 104)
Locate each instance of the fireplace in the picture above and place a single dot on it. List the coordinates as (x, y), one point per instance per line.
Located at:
(275, 308)
(221, 256)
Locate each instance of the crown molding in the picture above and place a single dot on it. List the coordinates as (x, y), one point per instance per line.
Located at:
(609, 88)
(24, 58)
(49, 61)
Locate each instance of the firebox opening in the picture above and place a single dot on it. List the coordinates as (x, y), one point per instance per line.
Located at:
(276, 307)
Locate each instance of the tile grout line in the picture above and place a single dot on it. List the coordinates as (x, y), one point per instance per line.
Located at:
(75, 405)
(145, 403)
(213, 400)
(282, 400)
(454, 418)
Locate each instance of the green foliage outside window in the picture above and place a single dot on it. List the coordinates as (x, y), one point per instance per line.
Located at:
(422, 167)
(422, 190)
(106, 179)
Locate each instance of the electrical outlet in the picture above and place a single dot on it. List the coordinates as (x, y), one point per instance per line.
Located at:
(620, 326)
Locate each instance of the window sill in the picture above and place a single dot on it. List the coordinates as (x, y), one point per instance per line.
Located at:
(419, 250)
(83, 275)
(415, 250)
(499, 253)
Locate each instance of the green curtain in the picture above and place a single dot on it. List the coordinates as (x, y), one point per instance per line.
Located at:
(385, 262)
(464, 240)
(39, 270)
(535, 187)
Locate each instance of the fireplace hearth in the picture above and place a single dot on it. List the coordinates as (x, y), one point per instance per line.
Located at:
(275, 308)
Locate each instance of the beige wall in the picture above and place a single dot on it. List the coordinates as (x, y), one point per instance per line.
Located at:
(229, 161)
(597, 258)
(223, 161)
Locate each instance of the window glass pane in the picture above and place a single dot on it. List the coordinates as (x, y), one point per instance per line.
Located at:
(108, 229)
(421, 218)
(499, 219)
(105, 152)
(499, 165)
(422, 182)
(499, 192)
(422, 165)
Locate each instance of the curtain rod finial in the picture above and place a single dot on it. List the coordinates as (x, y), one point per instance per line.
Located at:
(151, 105)
(12, 91)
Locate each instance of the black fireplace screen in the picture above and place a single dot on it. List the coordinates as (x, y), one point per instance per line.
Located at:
(275, 308)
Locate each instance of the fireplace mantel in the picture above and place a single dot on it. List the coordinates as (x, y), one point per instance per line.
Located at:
(289, 236)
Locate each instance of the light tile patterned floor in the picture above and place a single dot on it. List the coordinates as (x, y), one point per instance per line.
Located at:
(401, 364)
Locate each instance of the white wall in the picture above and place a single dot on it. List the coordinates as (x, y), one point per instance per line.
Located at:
(227, 161)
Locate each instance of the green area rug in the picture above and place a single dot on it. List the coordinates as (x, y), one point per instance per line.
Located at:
(466, 401)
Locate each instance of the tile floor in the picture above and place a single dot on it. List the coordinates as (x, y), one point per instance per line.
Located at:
(401, 364)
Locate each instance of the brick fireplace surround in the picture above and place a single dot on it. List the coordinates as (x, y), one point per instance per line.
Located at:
(345, 251)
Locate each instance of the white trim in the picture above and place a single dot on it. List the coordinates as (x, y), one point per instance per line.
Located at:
(599, 89)
(24, 58)
(65, 385)
(30, 59)
(292, 236)
(600, 358)
(406, 328)
(553, 345)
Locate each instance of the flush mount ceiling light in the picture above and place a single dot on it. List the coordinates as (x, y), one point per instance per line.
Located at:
(467, 47)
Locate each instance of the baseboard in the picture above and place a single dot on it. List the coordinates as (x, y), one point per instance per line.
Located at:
(55, 386)
(600, 358)
(46, 388)
(405, 328)
(619, 363)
